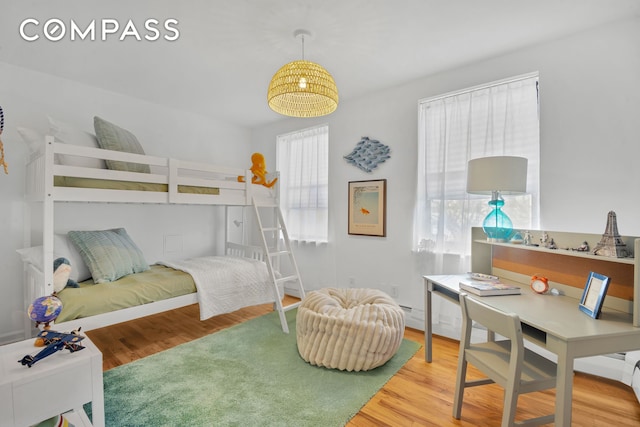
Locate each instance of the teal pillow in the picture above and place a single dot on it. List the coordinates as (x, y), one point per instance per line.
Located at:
(112, 137)
(109, 254)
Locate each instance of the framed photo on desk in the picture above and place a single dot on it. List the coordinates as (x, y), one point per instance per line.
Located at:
(594, 293)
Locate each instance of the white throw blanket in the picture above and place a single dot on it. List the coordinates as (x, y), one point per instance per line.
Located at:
(226, 284)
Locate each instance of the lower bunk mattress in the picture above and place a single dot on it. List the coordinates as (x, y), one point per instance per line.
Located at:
(156, 284)
(222, 283)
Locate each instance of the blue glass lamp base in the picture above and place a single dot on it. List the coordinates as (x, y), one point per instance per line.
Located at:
(497, 224)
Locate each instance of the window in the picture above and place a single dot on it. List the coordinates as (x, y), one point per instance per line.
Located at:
(500, 118)
(302, 157)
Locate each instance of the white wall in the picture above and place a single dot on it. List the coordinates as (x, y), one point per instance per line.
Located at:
(590, 142)
(27, 97)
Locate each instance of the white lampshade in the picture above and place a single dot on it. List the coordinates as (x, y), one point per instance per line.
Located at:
(504, 174)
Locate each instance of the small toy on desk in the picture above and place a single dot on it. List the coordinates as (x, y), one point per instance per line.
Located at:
(544, 240)
(547, 242)
(528, 239)
(259, 170)
(611, 244)
(53, 342)
(61, 275)
(584, 247)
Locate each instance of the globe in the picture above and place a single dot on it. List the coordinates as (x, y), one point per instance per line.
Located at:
(44, 309)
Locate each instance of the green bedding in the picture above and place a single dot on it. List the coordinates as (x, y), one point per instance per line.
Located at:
(155, 284)
(107, 184)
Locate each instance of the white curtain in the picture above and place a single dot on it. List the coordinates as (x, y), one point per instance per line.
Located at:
(302, 159)
(500, 118)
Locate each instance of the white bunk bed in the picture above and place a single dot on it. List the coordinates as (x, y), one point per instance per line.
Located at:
(173, 176)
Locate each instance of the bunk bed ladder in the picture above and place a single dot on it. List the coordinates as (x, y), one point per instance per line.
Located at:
(276, 244)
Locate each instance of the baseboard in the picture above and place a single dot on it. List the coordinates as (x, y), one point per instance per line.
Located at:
(607, 366)
(294, 292)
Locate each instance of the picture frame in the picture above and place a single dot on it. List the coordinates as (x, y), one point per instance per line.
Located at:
(368, 208)
(593, 295)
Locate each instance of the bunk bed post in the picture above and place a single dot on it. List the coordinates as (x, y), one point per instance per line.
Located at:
(27, 287)
(277, 188)
(33, 280)
(278, 219)
(248, 199)
(47, 216)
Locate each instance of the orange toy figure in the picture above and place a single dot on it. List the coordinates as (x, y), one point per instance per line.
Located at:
(259, 170)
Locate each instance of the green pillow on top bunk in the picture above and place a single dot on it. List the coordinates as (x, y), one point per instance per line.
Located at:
(112, 137)
(109, 254)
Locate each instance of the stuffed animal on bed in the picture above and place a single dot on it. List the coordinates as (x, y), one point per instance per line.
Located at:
(61, 275)
(259, 170)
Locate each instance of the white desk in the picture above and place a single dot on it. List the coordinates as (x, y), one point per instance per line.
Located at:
(553, 323)
(56, 384)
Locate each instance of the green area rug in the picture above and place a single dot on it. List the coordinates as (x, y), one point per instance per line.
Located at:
(248, 375)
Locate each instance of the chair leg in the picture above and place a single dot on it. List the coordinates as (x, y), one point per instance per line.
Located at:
(460, 382)
(510, 405)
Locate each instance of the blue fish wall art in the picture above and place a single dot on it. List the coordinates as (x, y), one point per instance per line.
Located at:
(368, 154)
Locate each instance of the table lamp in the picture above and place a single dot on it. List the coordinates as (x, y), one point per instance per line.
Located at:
(496, 176)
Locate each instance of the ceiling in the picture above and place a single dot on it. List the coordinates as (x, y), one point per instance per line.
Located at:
(227, 51)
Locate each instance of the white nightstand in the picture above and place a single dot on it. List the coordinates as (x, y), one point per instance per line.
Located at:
(57, 384)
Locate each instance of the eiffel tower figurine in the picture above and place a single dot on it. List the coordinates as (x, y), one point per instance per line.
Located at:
(611, 244)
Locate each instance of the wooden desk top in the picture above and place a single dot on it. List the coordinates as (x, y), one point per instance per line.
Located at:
(557, 315)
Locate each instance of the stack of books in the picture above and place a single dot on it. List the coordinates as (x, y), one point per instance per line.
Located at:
(488, 288)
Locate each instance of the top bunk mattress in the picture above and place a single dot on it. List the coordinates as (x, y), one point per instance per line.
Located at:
(108, 184)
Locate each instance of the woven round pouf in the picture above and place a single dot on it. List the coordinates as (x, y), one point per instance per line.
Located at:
(348, 329)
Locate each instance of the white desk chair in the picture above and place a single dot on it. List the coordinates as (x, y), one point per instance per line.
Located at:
(508, 363)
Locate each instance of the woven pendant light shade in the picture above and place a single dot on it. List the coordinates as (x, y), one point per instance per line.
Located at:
(303, 89)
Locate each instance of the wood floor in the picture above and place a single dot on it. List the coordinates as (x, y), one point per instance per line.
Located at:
(420, 394)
